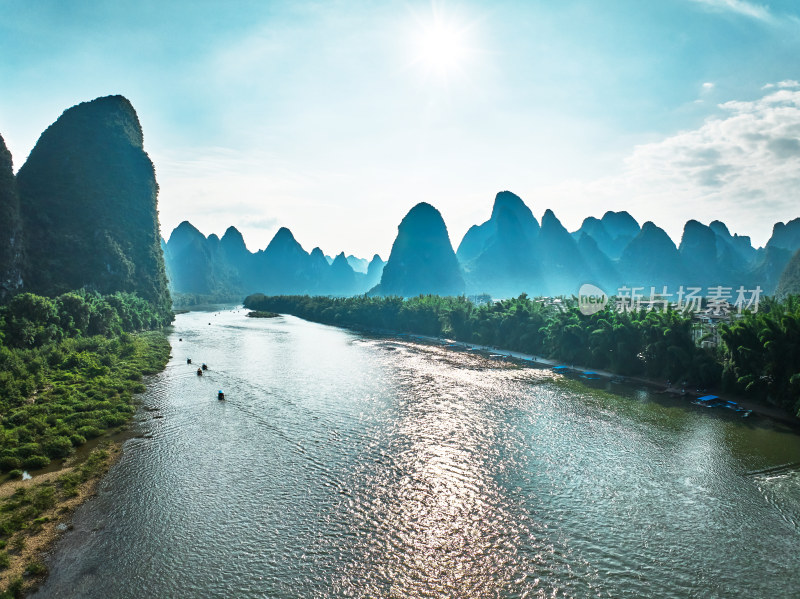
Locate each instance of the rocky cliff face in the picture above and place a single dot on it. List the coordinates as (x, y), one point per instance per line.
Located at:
(11, 246)
(88, 197)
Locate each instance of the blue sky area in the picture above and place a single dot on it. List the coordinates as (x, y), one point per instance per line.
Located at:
(335, 118)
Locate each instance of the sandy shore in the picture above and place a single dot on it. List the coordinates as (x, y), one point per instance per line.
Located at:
(39, 541)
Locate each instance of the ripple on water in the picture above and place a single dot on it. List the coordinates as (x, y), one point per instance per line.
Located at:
(343, 465)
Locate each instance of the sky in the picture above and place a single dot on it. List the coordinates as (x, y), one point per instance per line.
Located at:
(335, 118)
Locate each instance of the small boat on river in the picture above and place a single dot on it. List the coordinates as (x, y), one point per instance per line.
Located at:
(199, 372)
(204, 367)
(220, 395)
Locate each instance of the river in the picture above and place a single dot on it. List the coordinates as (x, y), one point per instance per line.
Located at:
(346, 465)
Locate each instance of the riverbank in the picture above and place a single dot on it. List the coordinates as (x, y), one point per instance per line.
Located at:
(57, 443)
(54, 497)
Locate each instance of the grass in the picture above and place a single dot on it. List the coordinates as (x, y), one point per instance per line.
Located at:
(80, 388)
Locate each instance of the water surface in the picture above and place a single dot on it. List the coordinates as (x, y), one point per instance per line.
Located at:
(344, 465)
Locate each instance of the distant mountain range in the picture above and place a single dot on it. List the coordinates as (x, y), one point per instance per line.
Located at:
(81, 213)
(202, 265)
(509, 254)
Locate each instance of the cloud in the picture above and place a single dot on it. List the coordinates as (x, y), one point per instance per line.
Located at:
(785, 84)
(742, 167)
(263, 223)
(708, 86)
(759, 12)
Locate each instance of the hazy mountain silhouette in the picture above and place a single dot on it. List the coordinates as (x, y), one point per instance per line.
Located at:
(620, 224)
(422, 260)
(284, 267)
(342, 277)
(789, 283)
(190, 261)
(651, 259)
(358, 264)
(604, 271)
(786, 236)
(736, 250)
(612, 233)
(509, 254)
(11, 246)
(225, 267)
(499, 256)
(88, 203)
(374, 271)
(564, 268)
(698, 250)
(769, 268)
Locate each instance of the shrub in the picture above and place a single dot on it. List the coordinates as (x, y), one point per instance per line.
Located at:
(15, 474)
(44, 498)
(15, 587)
(26, 450)
(57, 447)
(90, 432)
(36, 568)
(35, 462)
(9, 463)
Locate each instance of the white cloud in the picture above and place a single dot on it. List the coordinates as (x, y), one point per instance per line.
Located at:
(785, 84)
(742, 7)
(708, 86)
(742, 168)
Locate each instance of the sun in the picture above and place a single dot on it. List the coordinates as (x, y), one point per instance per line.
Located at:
(441, 47)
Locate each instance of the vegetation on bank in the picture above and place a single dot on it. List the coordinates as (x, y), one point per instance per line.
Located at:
(759, 354)
(30, 514)
(69, 367)
(192, 300)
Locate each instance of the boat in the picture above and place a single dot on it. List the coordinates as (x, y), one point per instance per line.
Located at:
(706, 400)
(220, 395)
(199, 372)
(188, 360)
(204, 367)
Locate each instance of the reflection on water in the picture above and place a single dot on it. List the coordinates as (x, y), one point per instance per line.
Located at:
(342, 465)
